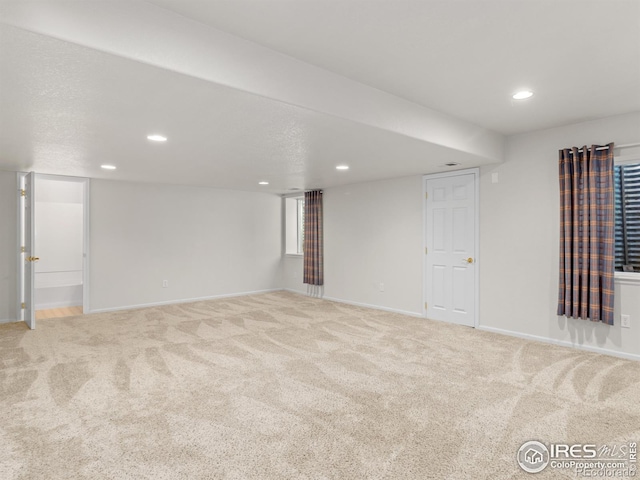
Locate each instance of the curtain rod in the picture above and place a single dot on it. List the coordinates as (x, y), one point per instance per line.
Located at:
(615, 147)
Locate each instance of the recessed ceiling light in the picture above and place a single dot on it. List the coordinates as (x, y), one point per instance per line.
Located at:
(263, 183)
(157, 138)
(522, 94)
(108, 167)
(342, 167)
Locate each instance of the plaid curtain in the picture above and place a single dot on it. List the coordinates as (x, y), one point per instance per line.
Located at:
(587, 243)
(313, 242)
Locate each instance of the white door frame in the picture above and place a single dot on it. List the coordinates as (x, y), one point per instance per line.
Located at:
(476, 179)
(27, 285)
(86, 244)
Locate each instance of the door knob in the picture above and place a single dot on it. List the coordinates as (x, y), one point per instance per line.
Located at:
(468, 260)
(33, 259)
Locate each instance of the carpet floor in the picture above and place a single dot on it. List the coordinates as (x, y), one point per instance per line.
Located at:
(284, 386)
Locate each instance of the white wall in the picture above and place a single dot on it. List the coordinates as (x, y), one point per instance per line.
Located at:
(8, 245)
(519, 241)
(373, 235)
(59, 236)
(205, 242)
(209, 242)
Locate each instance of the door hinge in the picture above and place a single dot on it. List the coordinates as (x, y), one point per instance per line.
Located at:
(426, 306)
(23, 305)
(426, 195)
(425, 250)
(23, 193)
(23, 249)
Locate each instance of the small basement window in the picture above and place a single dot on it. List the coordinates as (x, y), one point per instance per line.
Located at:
(294, 225)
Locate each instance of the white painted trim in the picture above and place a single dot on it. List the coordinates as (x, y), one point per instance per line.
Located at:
(453, 173)
(626, 159)
(183, 300)
(65, 178)
(293, 290)
(19, 261)
(86, 264)
(368, 305)
(86, 239)
(627, 278)
(562, 343)
(294, 255)
(424, 245)
(476, 174)
(525, 336)
(8, 320)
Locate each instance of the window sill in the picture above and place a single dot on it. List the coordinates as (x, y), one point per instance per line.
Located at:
(627, 278)
(294, 255)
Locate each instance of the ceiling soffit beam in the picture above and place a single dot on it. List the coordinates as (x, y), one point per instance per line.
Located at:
(158, 37)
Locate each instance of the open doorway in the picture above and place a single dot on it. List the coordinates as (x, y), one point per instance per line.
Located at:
(54, 246)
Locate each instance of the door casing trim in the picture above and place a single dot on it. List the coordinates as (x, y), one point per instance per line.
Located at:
(86, 242)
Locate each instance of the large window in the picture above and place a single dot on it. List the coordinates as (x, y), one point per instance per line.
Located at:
(627, 179)
(294, 225)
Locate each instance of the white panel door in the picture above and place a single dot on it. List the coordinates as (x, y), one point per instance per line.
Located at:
(450, 233)
(29, 255)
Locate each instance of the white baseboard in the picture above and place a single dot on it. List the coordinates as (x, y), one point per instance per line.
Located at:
(562, 343)
(183, 300)
(293, 290)
(358, 304)
(525, 336)
(8, 320)
(376, 307)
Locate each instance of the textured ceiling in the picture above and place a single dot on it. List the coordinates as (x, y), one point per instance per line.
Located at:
(461, 57)
(284, 91)
(67, 109)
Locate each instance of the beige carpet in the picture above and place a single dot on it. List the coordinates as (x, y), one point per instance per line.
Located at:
(280, 386)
